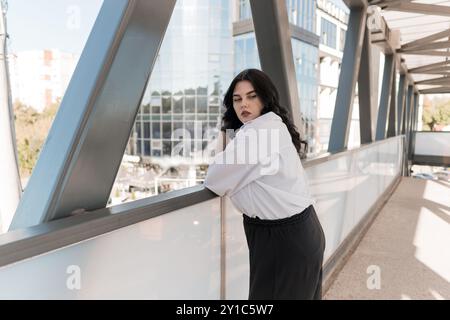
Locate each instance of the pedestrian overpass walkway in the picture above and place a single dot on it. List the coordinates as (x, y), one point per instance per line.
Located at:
(405, 249)
(65, 243)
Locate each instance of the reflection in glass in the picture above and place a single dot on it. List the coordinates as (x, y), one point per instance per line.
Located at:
(156, 130)
(194, 65)
(190, 104)
(166, 104)
(178, 104)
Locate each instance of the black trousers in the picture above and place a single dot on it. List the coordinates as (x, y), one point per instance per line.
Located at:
(286, 256)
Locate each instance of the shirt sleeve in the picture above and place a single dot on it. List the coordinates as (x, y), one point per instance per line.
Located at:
(236, 167)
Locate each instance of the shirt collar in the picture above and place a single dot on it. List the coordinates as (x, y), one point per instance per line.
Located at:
(264, 117)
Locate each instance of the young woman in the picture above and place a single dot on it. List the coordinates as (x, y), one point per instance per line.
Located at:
(267, 183)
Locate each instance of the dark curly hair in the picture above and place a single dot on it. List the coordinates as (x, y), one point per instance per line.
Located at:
(269, 96)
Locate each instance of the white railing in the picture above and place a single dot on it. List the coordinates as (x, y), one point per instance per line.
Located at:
(429, 143)
(345, 188)
(178, 255)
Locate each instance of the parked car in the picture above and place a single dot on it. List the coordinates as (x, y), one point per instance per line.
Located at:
(426, 176)
(442, 175)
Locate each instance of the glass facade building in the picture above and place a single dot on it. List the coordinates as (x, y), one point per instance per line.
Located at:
(185, 89)
(302, 13)
(332, 18)
(328, 33)
(197, 60)
(181, 109)
(305, 59)
(306, 70)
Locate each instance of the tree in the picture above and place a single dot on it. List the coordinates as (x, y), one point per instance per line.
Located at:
(435, 112)
(32, 129)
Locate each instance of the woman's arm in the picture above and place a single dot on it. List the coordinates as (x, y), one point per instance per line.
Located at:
(231, 169)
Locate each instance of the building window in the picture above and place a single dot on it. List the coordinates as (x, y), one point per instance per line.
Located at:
(190, 104)
(166, 105)
(301, 13)
(147, 148)
(138, 130)
(167, 130)
(292, 8)
(328, 33)
(342, 39)
(244, 10)
(156, 130)
(147, 130)
(202, 105)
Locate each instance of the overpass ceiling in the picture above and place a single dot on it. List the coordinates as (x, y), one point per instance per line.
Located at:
(416, 20)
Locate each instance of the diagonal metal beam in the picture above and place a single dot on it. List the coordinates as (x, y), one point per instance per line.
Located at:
(436, 69)
(355, 4)
(427, 39)
(441, 69)
(416, 111)
(386, 2)
(409, 94)
(392, 130)
(444, 89)
(385, 97)
(340, 124)
(273, 39)
(415, 114)
(430, 66)
(428, 46)
(79, 162)
(441, 80)
(428, 53)
(401, 101)
(427, 9)
(365, 91)
(443, 73)
(413, 125)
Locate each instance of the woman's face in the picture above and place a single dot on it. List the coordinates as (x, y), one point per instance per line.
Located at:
(246, 102)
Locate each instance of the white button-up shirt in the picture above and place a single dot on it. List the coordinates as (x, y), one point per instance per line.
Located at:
(261, 171)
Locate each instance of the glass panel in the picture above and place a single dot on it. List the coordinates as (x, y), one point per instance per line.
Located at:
(202, 104)
(147, 147)
(167, 130)
(47, 41)
(138, 146)
(178, 130)
(166, 104)
(342, 39)
(306, 62)
(138, 130)
(328, 33)
(193, 68)
(147, 130)
(156, 130)
(190, 104)
(178, 104)
(167, 148)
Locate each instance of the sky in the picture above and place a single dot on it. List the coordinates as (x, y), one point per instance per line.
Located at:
(54, 24)
(50, 24)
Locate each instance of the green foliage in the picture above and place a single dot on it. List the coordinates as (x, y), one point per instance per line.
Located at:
(436, 112)
(32, 129)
